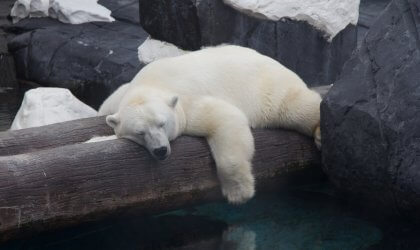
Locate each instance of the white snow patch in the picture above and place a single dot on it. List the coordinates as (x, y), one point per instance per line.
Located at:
(101, 138)
(43, 106)
(330, 16)
(67, 11)
(151, 50)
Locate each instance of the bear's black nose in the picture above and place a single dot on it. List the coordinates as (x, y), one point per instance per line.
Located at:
(160, 153)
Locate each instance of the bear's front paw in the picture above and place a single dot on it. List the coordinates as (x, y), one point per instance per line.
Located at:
(238, 192)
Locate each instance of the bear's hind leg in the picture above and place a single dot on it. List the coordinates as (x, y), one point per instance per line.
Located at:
(300, 111)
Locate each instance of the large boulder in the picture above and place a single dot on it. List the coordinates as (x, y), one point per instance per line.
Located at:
(371, 116)
(315, 54)
(90, 59)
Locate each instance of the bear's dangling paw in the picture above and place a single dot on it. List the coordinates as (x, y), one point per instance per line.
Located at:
(239, 191)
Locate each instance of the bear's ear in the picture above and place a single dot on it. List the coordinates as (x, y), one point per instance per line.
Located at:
(112, 120)
(172, 103)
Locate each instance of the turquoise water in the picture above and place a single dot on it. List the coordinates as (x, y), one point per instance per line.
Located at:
(298, 219)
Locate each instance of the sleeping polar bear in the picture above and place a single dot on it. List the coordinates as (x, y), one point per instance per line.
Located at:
(217, 93)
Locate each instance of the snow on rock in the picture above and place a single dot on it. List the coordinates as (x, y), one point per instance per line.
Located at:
(330, 16)
(43, 106)
(67, 11)
(151, 50)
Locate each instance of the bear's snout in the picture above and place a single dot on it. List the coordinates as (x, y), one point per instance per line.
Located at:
(161, 153)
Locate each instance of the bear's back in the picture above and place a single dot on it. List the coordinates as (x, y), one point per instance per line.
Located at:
(238, 75)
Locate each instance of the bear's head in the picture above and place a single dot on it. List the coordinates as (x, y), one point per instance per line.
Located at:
(150, 123)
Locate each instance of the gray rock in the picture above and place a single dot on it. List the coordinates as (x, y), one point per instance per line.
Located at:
(369, 11)
(90, 59)
(191, 24)
(123, 10)
(371, 116)
(7, 64)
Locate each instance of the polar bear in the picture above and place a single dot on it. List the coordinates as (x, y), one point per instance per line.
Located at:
(218, 93)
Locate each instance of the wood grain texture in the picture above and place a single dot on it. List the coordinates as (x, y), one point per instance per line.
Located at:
(54, 135)
(62, 182)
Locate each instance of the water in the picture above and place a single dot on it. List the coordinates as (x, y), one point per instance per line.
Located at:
(310, 217)
(304, 218)
(297, 219)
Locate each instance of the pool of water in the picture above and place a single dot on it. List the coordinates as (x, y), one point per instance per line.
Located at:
(310, 217)
(304, 218)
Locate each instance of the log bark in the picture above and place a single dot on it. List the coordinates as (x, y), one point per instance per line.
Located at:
(53, 184)
(54, 135)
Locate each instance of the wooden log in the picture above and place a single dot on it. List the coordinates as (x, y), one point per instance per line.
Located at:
(65, 185)
(54, 135)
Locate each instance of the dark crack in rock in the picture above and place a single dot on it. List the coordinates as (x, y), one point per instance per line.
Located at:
(7, 65)
(371, 116)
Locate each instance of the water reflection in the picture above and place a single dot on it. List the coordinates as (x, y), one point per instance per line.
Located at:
(238, 237)
(294, 220)
(291, 220)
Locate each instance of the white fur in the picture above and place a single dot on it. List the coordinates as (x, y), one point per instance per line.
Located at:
(221, 92)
